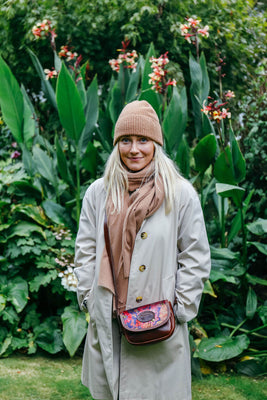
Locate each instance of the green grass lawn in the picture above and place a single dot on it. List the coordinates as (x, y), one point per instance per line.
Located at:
(45, 378)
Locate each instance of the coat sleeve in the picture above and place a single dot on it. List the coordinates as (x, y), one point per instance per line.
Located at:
(193, 255)
(85, 249)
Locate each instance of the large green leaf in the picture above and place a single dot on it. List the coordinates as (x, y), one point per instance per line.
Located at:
(48, 336)
(62, 164)
(205, 82)
(152, 98)
(46, 86)
(27, 188)
(236, 223)
(24, 229)
(258, 227)
(42, 279)
(239, 164)
(147, 69)
(18, 293)
(255, 280)
(89, 162)
(204, 152)
(34, 212)
(56, 213)
(44, 165)
(251, 303)
(222, 348)
(175, 120)
(235, 192)
(262, 247)
(223, 167)
(196, 93)
(182, 158)
(69, 104)
(74, 328)
(123, 80)
(11, 101)
(91, 113)
(30, 127)
(116, 103)
(132, 90)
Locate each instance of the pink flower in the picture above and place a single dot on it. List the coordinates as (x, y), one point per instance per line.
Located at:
(215, 111)
(50, 73)
(127, 58)
(204, 32)
(158, 76)
(229, 94)
(191, 30)
(15, 154)
(43, 29)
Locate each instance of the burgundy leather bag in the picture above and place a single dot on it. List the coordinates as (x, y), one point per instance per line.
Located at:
(147, 324)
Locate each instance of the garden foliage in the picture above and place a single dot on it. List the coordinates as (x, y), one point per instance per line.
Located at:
(43, 182)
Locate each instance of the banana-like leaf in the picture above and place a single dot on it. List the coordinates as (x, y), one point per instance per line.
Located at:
(89, 162)
(182, 158)
(132, 90)
(262, 247)
(91, 113)
(74, 328)
(205, 82)
(223, 167)
(69, 104)
(44, 165)
(152, 98)
(258, 227)
(116, 103)
(11, 101)
(236, 224)
(62, 164)
(255, 280)
(235, 192)
(221, 348)
(46, 86)
(81, 89)
(251, 303)
(204, 152)
(30, 127)
(175, 120)
(123, 81)
(147, 69)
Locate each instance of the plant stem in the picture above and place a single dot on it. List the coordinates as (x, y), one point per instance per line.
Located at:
(222, 223)
(244, 237)
(246, 331)
(78, 186)
(237, 327)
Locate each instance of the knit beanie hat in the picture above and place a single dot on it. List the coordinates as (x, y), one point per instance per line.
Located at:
(138, 118)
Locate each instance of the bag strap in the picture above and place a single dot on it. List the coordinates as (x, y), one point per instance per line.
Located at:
(111, 261)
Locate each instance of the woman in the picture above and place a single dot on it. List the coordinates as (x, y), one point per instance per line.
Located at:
(160, 249)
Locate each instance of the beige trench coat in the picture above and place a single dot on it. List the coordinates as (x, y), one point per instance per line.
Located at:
(175, 252)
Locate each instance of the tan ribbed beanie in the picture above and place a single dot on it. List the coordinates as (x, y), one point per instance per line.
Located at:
(138, 118)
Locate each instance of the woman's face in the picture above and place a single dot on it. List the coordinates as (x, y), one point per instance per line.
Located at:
(136, 152)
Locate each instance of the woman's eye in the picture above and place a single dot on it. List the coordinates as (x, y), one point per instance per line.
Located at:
(125, 140)
(143, 140)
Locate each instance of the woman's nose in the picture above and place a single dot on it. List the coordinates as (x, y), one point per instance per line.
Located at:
(134, 147)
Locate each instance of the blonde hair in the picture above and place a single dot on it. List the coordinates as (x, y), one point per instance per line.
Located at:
(116, 180)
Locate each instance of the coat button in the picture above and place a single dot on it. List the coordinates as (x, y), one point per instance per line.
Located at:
(143, 235)
(139, 299)
(142, 268)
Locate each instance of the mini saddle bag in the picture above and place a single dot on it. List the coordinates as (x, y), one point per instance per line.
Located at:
(150, 323)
